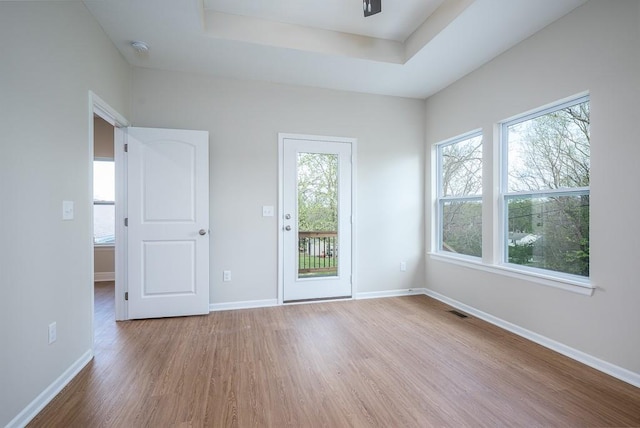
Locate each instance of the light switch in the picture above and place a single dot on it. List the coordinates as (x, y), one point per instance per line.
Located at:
(67, 210)
(267, 211)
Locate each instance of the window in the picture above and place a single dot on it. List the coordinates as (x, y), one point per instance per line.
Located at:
(104, 202)
(545, 189)
(459, 195)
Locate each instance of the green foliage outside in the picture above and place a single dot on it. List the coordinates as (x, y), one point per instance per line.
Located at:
(521, 254)
(462, 231)
(317, 192)
(317, 212)
(561, 226)
(319, 266)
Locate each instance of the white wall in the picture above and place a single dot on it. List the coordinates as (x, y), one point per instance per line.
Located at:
(244, 119)
(52, 54)
(595, 49)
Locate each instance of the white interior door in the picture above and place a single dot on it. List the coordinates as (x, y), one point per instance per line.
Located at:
(316, 218)
(168, 222)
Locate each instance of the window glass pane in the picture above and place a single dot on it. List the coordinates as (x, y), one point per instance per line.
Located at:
(104, 191)
(550, 233)
(550, 151)
(462, 227)
(317, 215)
(461, 164)
(104, 182)
(104, 224)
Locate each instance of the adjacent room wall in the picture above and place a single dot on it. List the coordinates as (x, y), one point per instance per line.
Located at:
(104, 263)
(52, 54)
(102, 138)
(595, 49)
(244, 119)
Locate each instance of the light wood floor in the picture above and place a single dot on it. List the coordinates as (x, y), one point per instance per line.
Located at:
(394, 362)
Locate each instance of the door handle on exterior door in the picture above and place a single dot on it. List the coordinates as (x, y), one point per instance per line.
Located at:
(202, 232)
(287, 227)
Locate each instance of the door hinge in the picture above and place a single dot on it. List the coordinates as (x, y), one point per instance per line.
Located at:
(126, 148)
(126, 295)
(126, 222)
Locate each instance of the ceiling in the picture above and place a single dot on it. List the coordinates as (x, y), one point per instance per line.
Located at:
(413, 48)
(400, 19)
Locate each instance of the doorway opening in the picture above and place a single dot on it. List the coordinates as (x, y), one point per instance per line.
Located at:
(106, 146)
(104, 235)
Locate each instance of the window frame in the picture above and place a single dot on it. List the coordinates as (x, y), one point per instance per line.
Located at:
(441, 200)
(505, 195)
(113, 203)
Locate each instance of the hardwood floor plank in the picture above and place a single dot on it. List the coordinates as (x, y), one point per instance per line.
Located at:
(390, 362)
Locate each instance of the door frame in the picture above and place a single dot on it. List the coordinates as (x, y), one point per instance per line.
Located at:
(319, 138)
(100, 108)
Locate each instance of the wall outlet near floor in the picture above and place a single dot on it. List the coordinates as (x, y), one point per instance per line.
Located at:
(226, 275)
(403, 266)
(53, 334)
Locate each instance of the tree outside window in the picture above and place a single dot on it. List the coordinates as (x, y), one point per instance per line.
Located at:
(546, 189)
(460, 195)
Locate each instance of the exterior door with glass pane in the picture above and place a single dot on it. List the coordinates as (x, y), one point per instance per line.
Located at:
(316, 217)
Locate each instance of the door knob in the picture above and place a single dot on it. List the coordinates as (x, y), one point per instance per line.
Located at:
(202, 232)
(287, 227)
(288, 216)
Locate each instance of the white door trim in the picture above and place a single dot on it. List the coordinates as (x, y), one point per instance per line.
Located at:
(354, 175)
(122, 285)
(99, 107)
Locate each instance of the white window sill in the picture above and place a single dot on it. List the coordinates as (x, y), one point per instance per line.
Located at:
(578, 286)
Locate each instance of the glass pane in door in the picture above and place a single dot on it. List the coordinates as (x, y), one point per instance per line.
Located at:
(317, 215)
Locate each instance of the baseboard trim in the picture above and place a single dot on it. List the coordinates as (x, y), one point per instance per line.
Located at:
(248, 304)
(591, 361)
(390, 293)
(104, 276)
(45, 397)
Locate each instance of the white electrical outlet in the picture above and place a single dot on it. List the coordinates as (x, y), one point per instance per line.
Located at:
(403, 266)
(226, 275)
(53, 334)
(267, 211)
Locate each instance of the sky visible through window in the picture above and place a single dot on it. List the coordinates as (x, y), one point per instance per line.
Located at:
(104, 188)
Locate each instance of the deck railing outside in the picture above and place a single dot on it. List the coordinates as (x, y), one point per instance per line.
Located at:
(318, 254)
